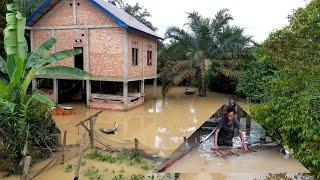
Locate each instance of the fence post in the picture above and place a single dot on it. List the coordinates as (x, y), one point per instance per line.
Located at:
(136, 144)
(63, 147)
(76, 177)
(92, 131)
(26, 167)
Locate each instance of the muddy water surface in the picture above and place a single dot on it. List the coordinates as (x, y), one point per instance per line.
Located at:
(158, 125)
(246, 166)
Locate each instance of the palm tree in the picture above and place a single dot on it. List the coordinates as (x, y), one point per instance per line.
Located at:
(19, 68)
(212, 46)
(173, 73)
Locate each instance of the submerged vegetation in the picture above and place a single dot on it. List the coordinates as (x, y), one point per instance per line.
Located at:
(131, 158)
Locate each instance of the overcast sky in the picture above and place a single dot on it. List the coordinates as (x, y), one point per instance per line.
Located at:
(258, 17)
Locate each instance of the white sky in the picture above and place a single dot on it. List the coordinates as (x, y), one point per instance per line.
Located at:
(258, 17)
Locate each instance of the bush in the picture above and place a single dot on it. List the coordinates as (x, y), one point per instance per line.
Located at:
(293, 116)
(31, 124)
(255, 78)
(291, 111)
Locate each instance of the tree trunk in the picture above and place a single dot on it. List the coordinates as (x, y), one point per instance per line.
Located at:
(202, 92)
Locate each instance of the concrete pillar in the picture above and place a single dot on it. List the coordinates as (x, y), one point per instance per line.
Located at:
(34, 84)
(56, 90)
(155, 89)
(88, 92)
(125, 95)
(142, 89)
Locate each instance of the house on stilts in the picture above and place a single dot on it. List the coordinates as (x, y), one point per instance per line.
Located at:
(119, 51)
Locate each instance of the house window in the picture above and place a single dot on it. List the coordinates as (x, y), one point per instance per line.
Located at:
(135, 56)
(149, 58)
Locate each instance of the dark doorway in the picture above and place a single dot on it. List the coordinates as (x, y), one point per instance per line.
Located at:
(78, 60)
(72, 91)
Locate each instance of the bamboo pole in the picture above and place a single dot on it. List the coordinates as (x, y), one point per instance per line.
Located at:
(81, 149)
(63, 147)
(92, 122)
(136, 144)
(26, 167)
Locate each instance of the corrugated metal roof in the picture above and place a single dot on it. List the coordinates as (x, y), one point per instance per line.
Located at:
(122, 18)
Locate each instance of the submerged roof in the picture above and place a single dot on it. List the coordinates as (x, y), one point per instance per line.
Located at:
(122, 18)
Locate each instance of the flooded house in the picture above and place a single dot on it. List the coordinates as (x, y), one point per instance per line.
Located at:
(119, 51)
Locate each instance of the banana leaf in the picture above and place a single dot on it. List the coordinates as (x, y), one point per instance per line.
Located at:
(63, 70)
(41, 98)
(63, 55)
(37, 58)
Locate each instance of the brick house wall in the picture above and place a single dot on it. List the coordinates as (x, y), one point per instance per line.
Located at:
(144, 44)
(106, 45)
(107, 48)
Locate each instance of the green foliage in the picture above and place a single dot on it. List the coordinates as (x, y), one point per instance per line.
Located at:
(137, 177)
(174, 73)
(131, 158)
(27, 7)
(212, 46)
(291, 111)
(25, 118)
(31, 124)
(137, 11)
(255, 78)
(93, 173)
(69, 168)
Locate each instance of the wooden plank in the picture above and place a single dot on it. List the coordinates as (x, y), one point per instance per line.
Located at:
(94, 115)
(234, 153)
(85, 127)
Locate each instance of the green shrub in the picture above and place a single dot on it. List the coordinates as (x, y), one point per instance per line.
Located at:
(32, 124)
(255, 79)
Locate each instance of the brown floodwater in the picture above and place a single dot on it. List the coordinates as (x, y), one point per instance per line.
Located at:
(160, 127)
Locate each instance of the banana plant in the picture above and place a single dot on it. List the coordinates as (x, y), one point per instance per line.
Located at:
(20, 67)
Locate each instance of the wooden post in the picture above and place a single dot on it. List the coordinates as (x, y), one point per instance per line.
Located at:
(136, 144)
(76, 177)
(125, 95)
(248, 122)
(248, 125)
(155, 89)
(88, 93)
(26, 167)
(92, 121)
(63, 147)
(56, 89)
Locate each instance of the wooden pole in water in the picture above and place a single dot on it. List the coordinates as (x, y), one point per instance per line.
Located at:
(63, 146)
(26, 167)
(136, 144)
(92, 132)
(76, 176)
